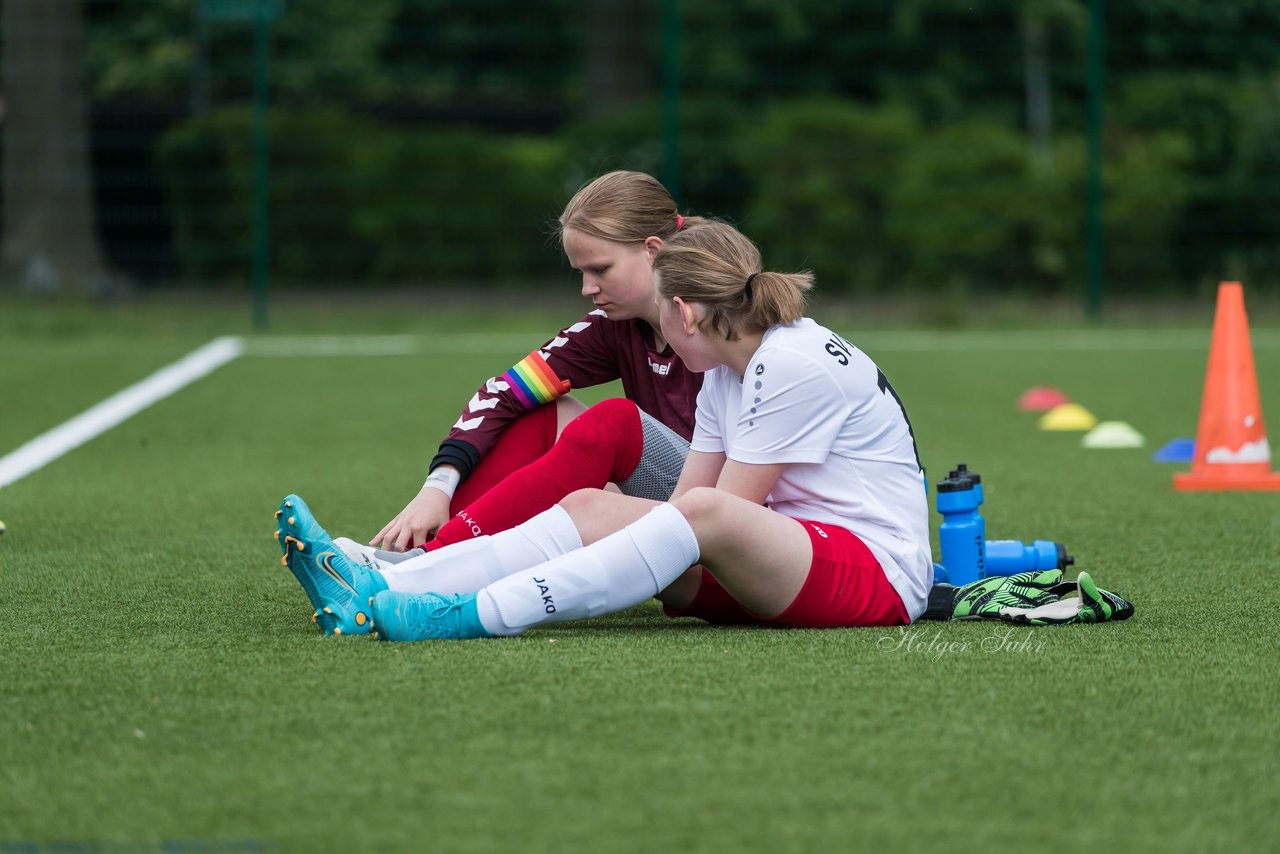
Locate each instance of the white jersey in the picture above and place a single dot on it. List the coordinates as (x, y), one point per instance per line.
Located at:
(812, 399)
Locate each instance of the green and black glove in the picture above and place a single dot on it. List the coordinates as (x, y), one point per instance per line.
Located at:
(1039, 598)
(1090, 605)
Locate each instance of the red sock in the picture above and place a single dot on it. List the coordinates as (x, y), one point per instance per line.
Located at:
(600, 446)
(525, 440)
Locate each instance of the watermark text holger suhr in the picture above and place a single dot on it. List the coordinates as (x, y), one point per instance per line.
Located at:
(934, 645)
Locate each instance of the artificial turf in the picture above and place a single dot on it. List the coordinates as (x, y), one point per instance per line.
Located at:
(162, 688)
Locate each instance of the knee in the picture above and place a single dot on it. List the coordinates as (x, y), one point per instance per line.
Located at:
(701, 505)
(581, 500)
(614, 407)
(600, 424)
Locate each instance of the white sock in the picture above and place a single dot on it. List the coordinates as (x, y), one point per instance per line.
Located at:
(623, 569)
(467, 566)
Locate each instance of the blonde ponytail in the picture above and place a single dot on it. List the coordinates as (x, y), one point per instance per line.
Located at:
(714, 264)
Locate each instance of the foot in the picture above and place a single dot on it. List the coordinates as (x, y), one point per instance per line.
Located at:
(411, 617)
(339, 588)
(371, 558)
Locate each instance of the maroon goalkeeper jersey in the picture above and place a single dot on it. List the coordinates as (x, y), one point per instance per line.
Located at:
(592, 351)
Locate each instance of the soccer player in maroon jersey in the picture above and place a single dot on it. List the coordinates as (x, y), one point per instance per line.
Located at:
(523, 428)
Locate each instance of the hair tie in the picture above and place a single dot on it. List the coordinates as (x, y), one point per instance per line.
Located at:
(679, 222)
(747, 288)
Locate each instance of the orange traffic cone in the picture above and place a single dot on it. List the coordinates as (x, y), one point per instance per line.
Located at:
(1232, 452)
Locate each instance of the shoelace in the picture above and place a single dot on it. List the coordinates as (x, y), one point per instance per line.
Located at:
(441, 610)
(422, 618)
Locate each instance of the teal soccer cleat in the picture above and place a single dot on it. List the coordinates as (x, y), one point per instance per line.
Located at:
(284, 521)
(339, 588)
(428, 616)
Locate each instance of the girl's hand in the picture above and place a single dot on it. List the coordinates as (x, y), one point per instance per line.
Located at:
(416, 523)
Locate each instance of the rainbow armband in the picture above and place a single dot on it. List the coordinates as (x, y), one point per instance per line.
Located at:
(534, 382)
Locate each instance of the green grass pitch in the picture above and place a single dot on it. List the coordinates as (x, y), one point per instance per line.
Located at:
(162, 685)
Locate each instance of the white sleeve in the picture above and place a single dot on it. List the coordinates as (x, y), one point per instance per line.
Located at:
(792, 412)
(708, 436)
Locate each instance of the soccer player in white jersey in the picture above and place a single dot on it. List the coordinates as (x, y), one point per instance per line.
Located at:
(801, 503)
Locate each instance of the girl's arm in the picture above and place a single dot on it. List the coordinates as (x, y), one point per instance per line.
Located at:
(700, 469)
(751, 481)
(582, 355)
(745, 480)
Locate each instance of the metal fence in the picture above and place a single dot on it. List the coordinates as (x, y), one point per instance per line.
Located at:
(1043, 146)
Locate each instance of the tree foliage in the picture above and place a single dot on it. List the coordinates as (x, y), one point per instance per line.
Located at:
(942, 139)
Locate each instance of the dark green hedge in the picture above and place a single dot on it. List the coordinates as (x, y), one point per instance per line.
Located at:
(873, 199)
(352, 202)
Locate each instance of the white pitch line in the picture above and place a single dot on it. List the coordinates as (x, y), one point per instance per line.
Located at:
(47, 447)
(333, 345)
(301, 346)
(1009, 341)
(110, 412)
(911, 341)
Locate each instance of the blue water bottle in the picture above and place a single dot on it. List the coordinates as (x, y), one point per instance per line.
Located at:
(962, 470)
(962, 535)
(1007, 557)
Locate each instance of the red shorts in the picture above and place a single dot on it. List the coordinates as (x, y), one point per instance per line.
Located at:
(846, 586)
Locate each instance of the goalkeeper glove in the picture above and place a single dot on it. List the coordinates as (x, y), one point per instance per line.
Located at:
(1091, 605)
(1033, 598)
